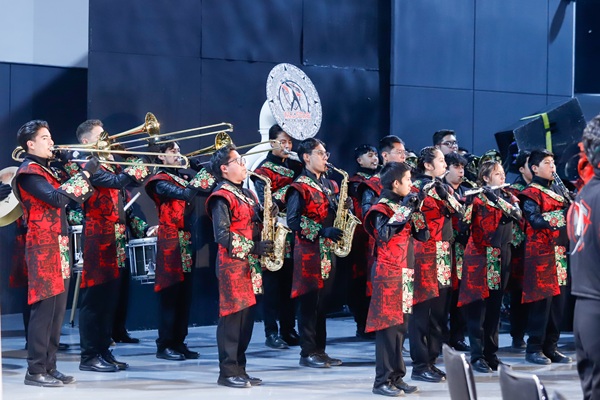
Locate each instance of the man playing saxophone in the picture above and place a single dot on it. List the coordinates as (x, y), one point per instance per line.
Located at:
(277, 284)
(311, 209)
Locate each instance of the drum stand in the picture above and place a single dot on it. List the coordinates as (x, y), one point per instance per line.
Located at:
(75, 298)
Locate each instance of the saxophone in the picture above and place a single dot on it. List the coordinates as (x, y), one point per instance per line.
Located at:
(272, 230)
(344, 219)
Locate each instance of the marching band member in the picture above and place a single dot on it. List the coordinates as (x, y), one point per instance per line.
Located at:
(389, 222)
(311, 209)
(432, 267)
(236, 216)
(367, 158)
(545, 274)
(445, 140)
(457, 323)
(104, 237)
(487, 264)
(44, 200)
(173, 196)
(518, 310)
(277, 303)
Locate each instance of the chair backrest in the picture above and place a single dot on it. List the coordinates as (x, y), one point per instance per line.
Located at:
(461, 382)
(515, 386)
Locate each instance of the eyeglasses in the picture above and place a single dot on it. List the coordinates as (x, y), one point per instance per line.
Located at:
(450, 143)
(399, 152)
(321, 153)
(238, 160)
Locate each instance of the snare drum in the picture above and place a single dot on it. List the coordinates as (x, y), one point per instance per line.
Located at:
(76, 247)
(142, 259)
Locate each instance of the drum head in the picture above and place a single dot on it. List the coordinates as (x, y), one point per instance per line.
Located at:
(10, 209)
(294, 101)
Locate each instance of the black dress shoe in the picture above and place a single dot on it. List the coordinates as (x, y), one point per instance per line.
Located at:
(109, 357)
(461, 345)
(41, 380)
(559, 358)
(65, 379)
(97, 364)
(125, 338)
(170, 354)
(334, 362)
(537, 358)
(187, 353)
(495, 362)
(234, 382)
(291, 338)
(405, 387)
(387, 390)
(426, 376)
(438, 371)
(519, 344)
(314, 361)
(480, 365)
(275, 342)
(62, 347)
(253, 380)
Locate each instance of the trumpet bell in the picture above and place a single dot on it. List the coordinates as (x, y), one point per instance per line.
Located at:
(10, 209)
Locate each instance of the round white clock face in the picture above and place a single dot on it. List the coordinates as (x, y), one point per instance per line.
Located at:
(294, 101)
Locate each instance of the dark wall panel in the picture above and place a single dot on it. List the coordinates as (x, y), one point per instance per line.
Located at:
(432, 43)
(561, 31)
(252, 30)
(418, 112)
(340, 33)
(511, 46)
(587, 42)
(590, 104)
(123, 87)
(160, 27)
(496, 111)
(350, 111)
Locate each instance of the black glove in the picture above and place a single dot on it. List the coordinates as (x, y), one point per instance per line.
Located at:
(5, 190)
(274, 210)
(92, 165)
(195, 164)
(440, 189)
(411, 200)
(263, 248)
(468, 200)
(152, 146)
(348, 203)
(63, 156)
(332, 233)
(489, 193)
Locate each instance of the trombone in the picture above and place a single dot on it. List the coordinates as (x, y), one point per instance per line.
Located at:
(223, 139)
(217, 129)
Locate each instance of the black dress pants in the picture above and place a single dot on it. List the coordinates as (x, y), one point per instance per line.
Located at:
(311, 324)
(425, 330)
(586, 326)
(358, 302)
(483, 322)
(119, 329)
(277, 303)
(389, 364)
(96, 317)
(45, 321)
(174, 313)
(234, 332)
(543, 324)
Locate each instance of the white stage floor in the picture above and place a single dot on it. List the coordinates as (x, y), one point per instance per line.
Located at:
(149, 378)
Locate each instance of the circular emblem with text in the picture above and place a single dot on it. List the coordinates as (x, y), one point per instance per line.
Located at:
(294, 101)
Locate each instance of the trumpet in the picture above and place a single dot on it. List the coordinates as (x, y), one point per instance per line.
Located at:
(481, 189)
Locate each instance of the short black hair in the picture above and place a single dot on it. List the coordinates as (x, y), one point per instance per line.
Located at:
(536, 157)
(166, 143)
(439, 136)
(363, 149)
(220, 157)
(393, 171)
(591, 142)
(86, 127)
(387, 143)
(28, 131)
(307, 146)
(521, 159)
(274, 131)
(455, 159)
